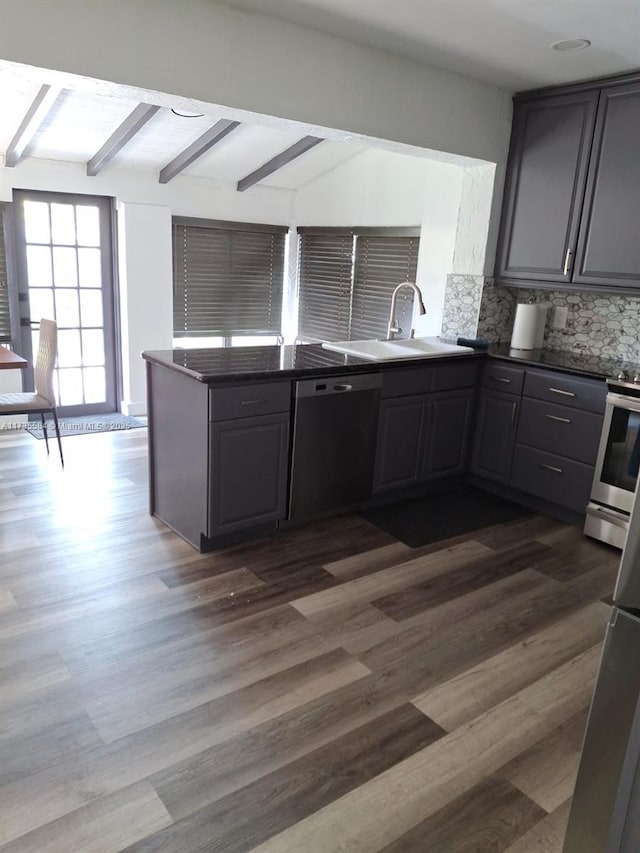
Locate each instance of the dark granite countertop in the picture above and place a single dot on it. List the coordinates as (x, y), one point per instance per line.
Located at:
(570, 362)
(246, 364)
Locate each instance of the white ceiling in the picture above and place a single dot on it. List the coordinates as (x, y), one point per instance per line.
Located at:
(80, 123)
(504, 42)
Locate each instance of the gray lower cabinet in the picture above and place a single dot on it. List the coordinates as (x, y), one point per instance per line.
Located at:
(556, 479)
(249, 467)
(422, 438)
(495, 435)
(400, 442)
(447, 434)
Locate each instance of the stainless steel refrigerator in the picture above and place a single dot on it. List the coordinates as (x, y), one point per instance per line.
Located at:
(605, 812)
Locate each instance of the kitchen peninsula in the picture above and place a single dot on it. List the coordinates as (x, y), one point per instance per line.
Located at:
(228, 455)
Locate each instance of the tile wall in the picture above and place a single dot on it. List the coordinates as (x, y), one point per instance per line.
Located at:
(598, 324)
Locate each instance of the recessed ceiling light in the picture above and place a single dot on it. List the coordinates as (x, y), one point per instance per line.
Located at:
(571, 44)
(186, 114)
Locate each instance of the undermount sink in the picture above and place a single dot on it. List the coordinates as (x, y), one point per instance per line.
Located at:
(387, 350)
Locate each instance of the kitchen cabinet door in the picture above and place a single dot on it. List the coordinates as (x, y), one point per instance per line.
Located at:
(400, 443)
(448, 425)
(248, 472)
(548, 161)
(609, 242)
(495, 432)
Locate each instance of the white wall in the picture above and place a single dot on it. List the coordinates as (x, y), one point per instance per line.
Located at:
(377, 188)
(146, 293)
(186, 196)
(218, 55)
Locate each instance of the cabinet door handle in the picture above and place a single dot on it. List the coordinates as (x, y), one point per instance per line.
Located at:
(567, 262)
(551, 468)
(564, 393)
(501, 379)
(514, 409)
(557, 418)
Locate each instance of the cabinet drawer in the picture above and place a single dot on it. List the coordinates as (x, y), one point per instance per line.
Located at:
(554, 478)
(449, 377)
(245, 401)
(402, 383)
(502, 377)
(560, 429)
(587, 394)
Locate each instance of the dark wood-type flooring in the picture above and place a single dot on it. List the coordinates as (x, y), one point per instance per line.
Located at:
(327, 690)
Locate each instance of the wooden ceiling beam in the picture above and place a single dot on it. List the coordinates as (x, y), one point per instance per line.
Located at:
(134, 122)
(40, 108)
(194, 151)
(296, 150)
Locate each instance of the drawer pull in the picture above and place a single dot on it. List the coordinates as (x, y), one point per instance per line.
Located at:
(551, 468)
(501, 379)
(564, 393)
(559, 419)
(254, 402)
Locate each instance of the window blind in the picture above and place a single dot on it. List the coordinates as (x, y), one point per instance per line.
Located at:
(227, 278)
(5, 316)
(382, 263)
(324, 286)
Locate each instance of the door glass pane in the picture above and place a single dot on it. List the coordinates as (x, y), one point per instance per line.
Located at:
(89, 266)
(70, 387)
(41, 305)
(39, 266)
(94, 384)
(36, 222)
(65, 270)
(93, 346)
(64, 265)
(88, 225)
(91, 307)
(622, 457)
(69, 354)
(67, 313)
(63, 224)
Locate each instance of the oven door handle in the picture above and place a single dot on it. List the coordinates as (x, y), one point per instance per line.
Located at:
(624, 402)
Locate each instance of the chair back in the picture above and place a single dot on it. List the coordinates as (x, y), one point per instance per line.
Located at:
(46, 360)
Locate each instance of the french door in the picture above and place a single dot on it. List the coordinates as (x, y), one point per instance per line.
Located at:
(65, 261)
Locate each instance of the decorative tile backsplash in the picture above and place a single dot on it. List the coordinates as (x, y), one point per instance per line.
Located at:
(597, 324)
(497, 313)
(462, 298)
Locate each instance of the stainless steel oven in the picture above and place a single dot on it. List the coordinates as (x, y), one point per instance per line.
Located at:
(617, 464)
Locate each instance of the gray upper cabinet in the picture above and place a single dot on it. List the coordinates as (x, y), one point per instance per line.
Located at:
(548, 161)
(609, 245)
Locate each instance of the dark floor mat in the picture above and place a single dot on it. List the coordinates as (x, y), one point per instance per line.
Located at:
(449, 513)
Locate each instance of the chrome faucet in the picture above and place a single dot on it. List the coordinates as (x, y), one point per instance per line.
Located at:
(393, 328)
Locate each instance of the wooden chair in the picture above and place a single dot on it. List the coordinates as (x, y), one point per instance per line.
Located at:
(43, 401)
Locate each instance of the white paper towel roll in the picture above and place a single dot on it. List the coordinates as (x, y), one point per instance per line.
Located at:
(526, 327)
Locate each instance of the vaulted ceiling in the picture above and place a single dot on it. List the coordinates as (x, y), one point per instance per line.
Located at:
(107, 132)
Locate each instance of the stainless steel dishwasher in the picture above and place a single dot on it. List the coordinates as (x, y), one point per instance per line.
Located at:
(334, 443)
